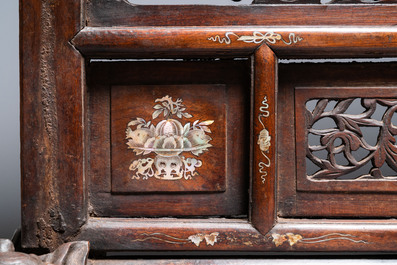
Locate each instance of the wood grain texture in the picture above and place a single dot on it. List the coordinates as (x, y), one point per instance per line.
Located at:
(170, 234)
(53, 191)
(109, 13)
(167, 42)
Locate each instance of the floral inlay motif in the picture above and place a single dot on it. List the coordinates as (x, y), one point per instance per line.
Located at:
(210, 239)
(257, 37)
(264, 139)
(168, 140)
(292, 239)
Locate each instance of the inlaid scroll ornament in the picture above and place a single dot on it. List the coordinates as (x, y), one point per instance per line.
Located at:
(210, 239)
(347, 137)
(264, 139)
(167, 140)
(292, 239)
(257, 38)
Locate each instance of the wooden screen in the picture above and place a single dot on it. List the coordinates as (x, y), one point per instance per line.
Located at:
(178, 128)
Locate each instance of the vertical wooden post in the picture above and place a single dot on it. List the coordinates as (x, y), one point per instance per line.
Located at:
(264, 142)
(52, 128)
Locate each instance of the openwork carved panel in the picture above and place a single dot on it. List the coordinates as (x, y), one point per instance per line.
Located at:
(349, 137)
(344, 141)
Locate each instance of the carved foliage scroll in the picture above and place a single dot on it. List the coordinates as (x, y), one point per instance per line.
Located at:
(346, 136)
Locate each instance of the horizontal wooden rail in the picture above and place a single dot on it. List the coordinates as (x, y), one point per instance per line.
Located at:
(296, 42)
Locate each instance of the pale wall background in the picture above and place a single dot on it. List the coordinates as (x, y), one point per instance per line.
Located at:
(9, 119)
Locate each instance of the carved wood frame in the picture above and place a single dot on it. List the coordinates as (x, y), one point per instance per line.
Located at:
(57, 212)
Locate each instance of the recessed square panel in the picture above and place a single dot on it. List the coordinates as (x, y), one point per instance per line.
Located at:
(168, 138)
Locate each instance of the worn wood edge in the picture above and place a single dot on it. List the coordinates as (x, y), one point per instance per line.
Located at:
(294, 236)
(292, 41)
(137, 234)
(45, 153)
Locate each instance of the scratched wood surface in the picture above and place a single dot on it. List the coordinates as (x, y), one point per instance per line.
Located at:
(52, 139)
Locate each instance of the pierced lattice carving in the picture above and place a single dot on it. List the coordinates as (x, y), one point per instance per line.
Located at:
(346, 137)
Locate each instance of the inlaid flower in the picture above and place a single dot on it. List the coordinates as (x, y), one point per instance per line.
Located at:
(168, 139)
(264, 140)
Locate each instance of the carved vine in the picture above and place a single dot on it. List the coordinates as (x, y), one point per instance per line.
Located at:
(348, 130)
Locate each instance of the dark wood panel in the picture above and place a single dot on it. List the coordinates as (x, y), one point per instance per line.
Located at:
(235, 77)
(53, 190)
(199, 162)
(108, 13)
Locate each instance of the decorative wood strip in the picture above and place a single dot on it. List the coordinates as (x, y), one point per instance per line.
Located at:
(264, 149)
(196, 239)
(169, 42)
(171, 234)
(293, 239)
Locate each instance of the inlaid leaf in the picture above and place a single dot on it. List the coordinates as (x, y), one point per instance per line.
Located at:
(206, 129)
(209, 122)
(156, 113)
(133, 123)
(187, 115)
(186, 128)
